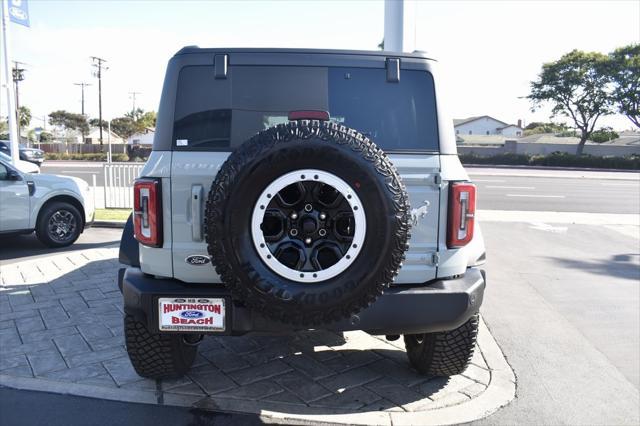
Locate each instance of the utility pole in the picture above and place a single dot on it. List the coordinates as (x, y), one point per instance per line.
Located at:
(11, 97)
(98, 64)
(18, 76)
(133, 110)
(82, 85)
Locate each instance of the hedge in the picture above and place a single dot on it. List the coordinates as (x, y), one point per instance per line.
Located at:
(102, 156)
(557, 159)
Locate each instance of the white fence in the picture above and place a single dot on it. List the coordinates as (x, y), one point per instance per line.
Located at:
(118, 184)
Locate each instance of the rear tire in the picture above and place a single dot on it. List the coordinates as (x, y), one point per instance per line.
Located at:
(445, 353)
(157, 356)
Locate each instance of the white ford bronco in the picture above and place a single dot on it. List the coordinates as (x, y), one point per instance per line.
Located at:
(301, 189)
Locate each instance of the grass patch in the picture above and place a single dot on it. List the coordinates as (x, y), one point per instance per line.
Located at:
(112, 214)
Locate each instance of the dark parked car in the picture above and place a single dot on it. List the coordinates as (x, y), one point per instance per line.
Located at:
(32, 155)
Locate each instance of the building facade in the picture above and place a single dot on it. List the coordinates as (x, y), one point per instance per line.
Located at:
(485, 125)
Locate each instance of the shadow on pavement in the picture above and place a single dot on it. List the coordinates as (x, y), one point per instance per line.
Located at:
(16, 246)
(624, 265)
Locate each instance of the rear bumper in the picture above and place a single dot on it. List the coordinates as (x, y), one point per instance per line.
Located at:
(441, 305)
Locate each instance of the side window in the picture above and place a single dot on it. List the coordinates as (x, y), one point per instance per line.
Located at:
(203, 110)
(3, 172)
(397, 116)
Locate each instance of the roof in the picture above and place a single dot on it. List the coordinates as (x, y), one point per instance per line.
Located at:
(196, 49)
(96, 131)
(458, 122)
(510, 125)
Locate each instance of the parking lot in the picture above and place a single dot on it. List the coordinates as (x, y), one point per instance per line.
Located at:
(562, 312)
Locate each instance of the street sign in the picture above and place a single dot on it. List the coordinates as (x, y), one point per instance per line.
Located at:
(19, 12)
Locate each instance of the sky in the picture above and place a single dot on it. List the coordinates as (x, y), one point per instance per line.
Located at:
(488, 51)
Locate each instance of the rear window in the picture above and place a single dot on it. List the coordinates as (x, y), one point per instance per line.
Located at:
(219, 114)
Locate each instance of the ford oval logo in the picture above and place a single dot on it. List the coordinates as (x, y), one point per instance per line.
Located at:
(191, 314)
(197, 259)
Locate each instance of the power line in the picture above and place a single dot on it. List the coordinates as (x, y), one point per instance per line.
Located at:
(83, 85)
(98, 64)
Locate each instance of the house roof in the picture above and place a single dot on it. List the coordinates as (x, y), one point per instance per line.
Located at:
(95, 131)
(510, 125)
(458, 122)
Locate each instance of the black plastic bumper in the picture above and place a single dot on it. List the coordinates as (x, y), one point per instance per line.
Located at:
(402, 309)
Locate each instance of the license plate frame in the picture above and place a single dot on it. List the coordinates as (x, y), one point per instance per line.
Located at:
(192, 314)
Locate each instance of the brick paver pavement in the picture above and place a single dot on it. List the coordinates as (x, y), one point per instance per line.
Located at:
(61, 324)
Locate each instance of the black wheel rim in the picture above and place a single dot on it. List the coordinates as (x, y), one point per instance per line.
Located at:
(62, 226)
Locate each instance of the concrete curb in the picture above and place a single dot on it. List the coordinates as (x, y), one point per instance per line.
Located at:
(108, 224)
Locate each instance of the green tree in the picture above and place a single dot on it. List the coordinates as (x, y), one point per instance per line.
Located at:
(24, 115)
(95, 122)
(624, 72)
(134, 122)
(576, 87)
(536, 127)
(123, 126)
(604, 134)
(69, 121)
(135, 115)
(148, 119)
(46, 137)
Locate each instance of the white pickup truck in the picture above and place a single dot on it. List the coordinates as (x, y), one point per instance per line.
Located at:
(57, 208)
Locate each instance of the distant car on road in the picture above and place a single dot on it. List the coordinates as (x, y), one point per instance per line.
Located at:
(32, 155)
(23, 166)
(57, 208)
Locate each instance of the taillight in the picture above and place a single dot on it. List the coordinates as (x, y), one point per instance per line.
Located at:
(462, 210)
(147, 211)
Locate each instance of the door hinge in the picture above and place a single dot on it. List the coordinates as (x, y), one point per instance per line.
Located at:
(437, 180)
(435, 259)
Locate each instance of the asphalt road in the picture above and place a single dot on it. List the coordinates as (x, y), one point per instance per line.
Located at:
(562, 301)
(28, 408)
(564, 191)
(562, 194)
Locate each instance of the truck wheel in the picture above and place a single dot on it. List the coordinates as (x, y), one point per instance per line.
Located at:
(445, 353)
(59, 225)
(307, 222)
(157, 356)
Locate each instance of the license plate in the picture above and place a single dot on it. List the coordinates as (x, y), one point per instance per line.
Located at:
(191, 314)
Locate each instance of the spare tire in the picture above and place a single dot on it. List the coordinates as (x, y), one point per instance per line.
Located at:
(307, 222)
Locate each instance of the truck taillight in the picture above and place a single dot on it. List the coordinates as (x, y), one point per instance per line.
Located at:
(462, 210)
(147, 211)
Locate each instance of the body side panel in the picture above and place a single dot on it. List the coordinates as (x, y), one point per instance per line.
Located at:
(157, 261)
